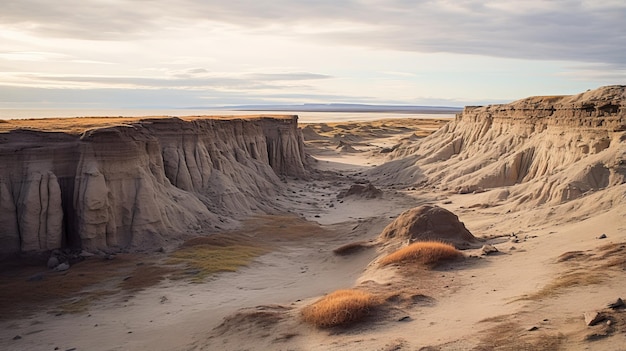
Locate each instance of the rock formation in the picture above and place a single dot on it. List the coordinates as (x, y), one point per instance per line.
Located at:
(538, 150)
(428, 223)
(139, 184)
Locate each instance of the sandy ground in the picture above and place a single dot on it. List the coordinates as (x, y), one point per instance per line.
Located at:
(511, 300)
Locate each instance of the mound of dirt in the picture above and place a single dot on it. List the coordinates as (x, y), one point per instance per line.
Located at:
(426, 223)
(346, 147)
(309, 133)
(364, 191)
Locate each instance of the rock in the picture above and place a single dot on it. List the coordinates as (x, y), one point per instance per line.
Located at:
(424, 223)
(532, 328)
(36, 277)
(619, 303)
(53, 261)
(404, 319)
(593, 318)
(603, 236)
(62, 267)
(17, 337)
(368, 191)
(488, 249)
(85, 254)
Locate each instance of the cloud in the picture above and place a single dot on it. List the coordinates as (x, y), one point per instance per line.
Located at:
(568, 30)
(197, 78)
(111, 98)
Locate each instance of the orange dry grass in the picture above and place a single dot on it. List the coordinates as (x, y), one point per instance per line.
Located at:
(427, 253)
(340, 308)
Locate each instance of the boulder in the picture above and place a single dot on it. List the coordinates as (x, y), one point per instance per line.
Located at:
(426, 223)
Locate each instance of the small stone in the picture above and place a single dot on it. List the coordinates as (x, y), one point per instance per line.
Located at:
(404, 319)
(17, 337)
(608, 323)
(488, 249)
(533, 328)
(53, 261)
(36, 277)
(85, 254)
(603, 236)
(62, 267)
(593, 318)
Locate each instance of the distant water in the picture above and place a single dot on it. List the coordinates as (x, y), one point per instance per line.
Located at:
(303, 117)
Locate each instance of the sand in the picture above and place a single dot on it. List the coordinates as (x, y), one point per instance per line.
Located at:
(493, 302)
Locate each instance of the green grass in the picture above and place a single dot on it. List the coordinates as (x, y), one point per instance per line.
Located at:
(205, 259)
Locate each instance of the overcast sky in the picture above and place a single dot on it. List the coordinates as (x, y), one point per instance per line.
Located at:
(183, 53)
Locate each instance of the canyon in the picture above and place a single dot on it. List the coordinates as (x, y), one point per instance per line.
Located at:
(531, 196)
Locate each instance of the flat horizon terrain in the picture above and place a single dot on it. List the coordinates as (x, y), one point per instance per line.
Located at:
(529, 295)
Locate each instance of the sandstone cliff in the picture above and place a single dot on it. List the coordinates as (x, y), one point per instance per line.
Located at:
(139, 183)
(539, 150)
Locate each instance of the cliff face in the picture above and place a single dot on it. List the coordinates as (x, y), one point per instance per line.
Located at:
(539, 150)
(136, 185)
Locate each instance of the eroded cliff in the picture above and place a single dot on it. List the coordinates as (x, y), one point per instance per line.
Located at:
(539, 150)
(141, 182)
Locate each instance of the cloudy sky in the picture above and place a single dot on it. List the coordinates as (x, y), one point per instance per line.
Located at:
(183, 53)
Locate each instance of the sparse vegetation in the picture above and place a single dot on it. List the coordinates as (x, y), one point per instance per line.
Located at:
(340, 308)
(566, 281)
(429, 253)
(205, 259)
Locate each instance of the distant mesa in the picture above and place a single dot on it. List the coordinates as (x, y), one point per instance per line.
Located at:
(338, 107)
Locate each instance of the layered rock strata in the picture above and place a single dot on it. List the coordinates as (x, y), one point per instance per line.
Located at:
(136, 185)
(539, 150)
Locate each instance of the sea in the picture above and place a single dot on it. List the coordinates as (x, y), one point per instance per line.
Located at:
(303, 116)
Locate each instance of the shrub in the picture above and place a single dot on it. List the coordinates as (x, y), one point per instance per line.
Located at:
(428, 253)
(340, 308)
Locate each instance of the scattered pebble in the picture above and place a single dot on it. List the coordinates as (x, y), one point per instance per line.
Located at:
(603, 236)
(17, 337)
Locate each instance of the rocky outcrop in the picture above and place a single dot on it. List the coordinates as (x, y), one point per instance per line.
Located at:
(428, 223)
(140, 184)
(539, 150)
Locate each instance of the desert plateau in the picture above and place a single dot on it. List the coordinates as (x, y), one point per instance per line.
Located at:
(502, 228)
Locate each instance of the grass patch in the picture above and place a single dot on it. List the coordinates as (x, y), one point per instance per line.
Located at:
(509, 336)
(428, 253)
(145, 276)
(206, 259)
(340, 308)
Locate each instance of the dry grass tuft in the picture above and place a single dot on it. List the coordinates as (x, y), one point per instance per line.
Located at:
(340, 308)
(429, 253)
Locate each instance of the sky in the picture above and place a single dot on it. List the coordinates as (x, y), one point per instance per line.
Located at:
(202, 53)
